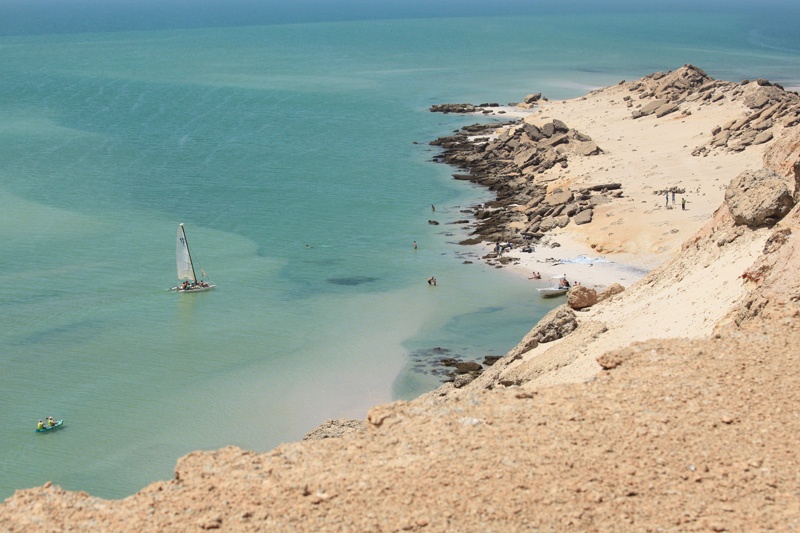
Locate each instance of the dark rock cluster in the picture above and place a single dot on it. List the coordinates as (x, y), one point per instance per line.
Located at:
(508, 163)
(451, 367)
(465, 108)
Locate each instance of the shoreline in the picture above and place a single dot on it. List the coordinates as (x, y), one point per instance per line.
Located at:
(626, 173)
(613, 187)
(578, 263)
(655, 408)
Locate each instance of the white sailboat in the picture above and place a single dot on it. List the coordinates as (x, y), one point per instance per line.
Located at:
(186, 272)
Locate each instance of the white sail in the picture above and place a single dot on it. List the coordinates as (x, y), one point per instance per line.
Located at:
(183, 258)
(186, 271)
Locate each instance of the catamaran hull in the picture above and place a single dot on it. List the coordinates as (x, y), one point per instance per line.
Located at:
(195, 289)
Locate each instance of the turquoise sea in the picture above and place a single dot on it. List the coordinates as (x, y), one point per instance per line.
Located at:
(294, 148)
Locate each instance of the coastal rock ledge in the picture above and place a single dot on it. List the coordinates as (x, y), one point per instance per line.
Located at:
(668, 406)
(524, 161)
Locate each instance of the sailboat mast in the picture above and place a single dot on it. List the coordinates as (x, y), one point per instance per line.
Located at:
(189, 252)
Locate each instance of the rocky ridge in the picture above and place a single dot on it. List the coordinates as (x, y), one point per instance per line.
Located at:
(768, 105)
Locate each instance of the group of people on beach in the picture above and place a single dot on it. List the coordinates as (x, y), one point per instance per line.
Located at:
(501, 247)
(684, 201)
(47, 423)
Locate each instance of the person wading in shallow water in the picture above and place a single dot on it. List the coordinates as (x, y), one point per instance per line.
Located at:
(431, 281)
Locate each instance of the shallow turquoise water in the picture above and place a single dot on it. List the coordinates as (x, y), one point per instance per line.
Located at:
(297, 157)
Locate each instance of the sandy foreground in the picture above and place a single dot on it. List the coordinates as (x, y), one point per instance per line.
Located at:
(670, 406)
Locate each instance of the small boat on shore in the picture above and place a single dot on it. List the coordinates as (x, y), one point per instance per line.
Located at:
(46, 428)
(558, 288)
(185, 265)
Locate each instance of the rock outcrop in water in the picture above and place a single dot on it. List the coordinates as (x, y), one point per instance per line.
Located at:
(506, 158)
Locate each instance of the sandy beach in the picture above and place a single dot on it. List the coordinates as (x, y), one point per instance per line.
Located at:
(639, 231)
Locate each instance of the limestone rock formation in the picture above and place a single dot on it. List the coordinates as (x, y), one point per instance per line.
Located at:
(462, 380)
(581, 297)
(556, 324)
(610, 291)
(758, 198)
(335, 429)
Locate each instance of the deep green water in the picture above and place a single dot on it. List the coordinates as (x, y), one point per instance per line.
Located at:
(263, 140)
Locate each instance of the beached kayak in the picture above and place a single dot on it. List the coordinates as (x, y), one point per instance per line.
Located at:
(50, 428)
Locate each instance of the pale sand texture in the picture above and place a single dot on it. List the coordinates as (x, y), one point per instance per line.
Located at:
(685, 298)
(644, 155)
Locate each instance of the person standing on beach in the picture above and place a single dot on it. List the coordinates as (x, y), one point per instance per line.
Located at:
(666, 197)
(673, 197)
(683, 204)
